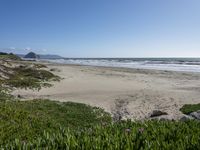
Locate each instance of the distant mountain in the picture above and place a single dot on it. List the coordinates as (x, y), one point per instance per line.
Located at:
(32, 55)
(49, 56)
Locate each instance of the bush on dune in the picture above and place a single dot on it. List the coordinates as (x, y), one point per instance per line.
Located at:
(189, 108)
(30, 78)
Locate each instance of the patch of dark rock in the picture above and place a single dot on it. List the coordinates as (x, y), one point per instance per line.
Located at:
(195, 115)
(20, 96)
(157, 113)
(32, 55)
(186, 118)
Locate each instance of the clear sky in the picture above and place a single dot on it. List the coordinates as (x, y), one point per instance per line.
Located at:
(101, 28)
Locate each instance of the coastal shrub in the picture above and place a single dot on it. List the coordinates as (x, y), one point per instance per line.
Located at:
(25, 83)
(35, 73)
(24, 75)
(29, 77)
(189, 108)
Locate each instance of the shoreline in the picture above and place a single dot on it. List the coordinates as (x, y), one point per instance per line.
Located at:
(121, 68)
(169, 64)
(134, 93)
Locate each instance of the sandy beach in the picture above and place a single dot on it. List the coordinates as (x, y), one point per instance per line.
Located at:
(134, 93)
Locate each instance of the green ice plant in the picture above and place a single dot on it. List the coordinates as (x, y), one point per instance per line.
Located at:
(121, 135)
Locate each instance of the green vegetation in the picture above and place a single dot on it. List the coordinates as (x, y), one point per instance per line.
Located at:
(28, 77)
(22, 75)
(189, 108)
(56, 125)
(121, 135)
(10, 56)
(4, 94)
(27, 120)
(45, 124)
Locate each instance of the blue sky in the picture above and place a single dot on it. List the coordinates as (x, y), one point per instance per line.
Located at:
(101, 28)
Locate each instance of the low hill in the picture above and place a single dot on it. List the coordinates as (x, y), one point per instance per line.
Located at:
(32, 55)
(10, 56)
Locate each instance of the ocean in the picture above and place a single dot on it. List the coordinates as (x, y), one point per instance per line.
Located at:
(169, 64)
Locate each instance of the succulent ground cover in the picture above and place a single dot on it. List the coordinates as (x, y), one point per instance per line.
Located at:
(27, 120)
(120, 135)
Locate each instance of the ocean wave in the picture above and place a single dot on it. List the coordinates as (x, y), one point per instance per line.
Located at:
(173, 64)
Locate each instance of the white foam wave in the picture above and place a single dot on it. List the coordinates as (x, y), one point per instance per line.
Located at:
(128, 63)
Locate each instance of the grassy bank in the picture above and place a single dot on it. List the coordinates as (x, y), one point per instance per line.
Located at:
(55, 125)
(39, 124)
(33, 132)
(27, 120)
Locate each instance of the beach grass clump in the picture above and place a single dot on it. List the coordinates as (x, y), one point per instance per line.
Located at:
(17, 74)
(30, 78)
(39, 74)
(189, 108)
(26, 83)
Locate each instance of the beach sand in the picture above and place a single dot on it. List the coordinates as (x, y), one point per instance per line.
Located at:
(134, 93)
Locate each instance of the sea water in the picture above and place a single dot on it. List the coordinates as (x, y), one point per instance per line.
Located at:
(170, 64)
